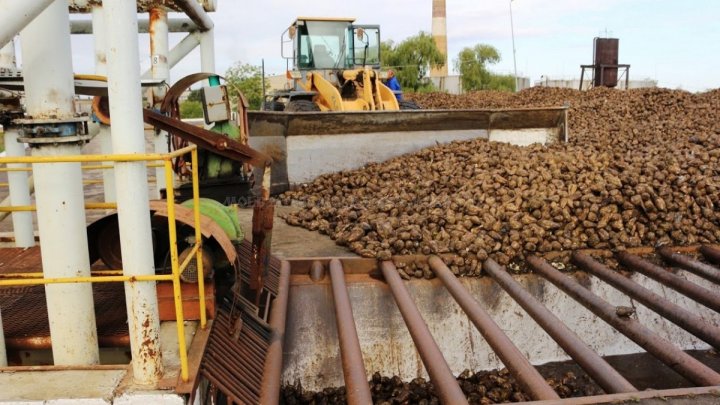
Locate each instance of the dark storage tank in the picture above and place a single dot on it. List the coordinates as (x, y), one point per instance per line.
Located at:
(605, 59)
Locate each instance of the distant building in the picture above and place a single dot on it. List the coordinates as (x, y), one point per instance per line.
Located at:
(545, 81)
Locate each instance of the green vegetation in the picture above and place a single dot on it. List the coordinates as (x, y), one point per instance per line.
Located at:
(247, 79)
(472, 64)
(412, 59)
(191, 109)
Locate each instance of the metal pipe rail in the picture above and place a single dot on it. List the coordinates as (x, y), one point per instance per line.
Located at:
(711, 253)
(437, 367)
(673, 312)
(663, 350)
(528, 377)
(703, 270)
(356, 382)
(677, 283)
(115, 275)
(272, 369)
(595, 366)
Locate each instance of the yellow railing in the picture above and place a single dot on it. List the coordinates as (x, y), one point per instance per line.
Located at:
(110, 276)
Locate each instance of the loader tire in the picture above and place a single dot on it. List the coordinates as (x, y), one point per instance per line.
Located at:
(301, 106)
(408, 105)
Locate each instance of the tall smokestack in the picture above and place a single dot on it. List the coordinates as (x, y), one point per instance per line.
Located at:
(439, 33)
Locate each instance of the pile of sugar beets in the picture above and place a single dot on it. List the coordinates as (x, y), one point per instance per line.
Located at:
(641, 169)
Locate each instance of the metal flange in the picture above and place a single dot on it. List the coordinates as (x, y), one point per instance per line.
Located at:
(53, 131)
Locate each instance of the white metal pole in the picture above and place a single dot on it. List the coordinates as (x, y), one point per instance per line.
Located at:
(512, 33)
(49, 92)
(17, 181)
(100, 38)
(7, 55)
(178, 52)
(132, 188)
(18, 14)
(207, 51)
(159, 49)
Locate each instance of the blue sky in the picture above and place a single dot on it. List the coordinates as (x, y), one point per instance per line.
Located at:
(675, 42)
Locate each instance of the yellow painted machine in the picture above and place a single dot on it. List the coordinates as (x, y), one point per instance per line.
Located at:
(335, 67)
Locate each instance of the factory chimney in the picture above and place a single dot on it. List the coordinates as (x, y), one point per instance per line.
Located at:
(439, 33)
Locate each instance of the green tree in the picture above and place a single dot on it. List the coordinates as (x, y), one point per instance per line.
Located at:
(472, 64)
(412, 59)
(191, 109)
(247, 79)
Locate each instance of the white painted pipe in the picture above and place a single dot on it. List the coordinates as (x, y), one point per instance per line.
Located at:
(23, 229)
(7, 55)
(207, 51)
(132, 188)
(49, 92)
(178, 52)
(18, 14)
(159, 50)
(17, 181)
(100, 38)
(174, 25)
(197, 13)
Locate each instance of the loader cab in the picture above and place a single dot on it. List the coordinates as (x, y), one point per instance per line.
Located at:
(317, 44)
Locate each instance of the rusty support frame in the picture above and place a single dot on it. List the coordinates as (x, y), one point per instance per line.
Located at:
(700, 269)
(673, 312)
(519, 366)
(663, 350)
(272, 370)
(356, 381)
(437, 367)
(598, 369)
(677, 283)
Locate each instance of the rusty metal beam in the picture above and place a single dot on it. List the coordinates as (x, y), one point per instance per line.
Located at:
(673, 312)
(663, 350)
(598, 369)
(528, 377)
(700, 294)
(356, 382)
(711, 253)
(209, 140)
(700, 269)
(437, 367)
(272, 370)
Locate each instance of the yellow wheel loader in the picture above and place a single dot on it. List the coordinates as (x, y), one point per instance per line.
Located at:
(335, 67)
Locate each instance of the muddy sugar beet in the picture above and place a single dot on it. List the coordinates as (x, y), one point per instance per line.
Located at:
(641, 169)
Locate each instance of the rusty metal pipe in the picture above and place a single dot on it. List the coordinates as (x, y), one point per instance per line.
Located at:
(674, 313)
(598, 369)
(711, 253)
(356, 382)
(270, 390)
(700, 269)
(663, 350)
(529, 378)
(677, 283)
(441, 376)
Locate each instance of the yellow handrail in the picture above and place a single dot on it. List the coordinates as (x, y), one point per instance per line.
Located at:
(109, 276)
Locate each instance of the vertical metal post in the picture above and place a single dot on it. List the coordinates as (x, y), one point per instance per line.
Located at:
(100, 38)
(160, 69)
(23, 229)
(49, 92)
(16, 15)
(207, 51)
(132, 188)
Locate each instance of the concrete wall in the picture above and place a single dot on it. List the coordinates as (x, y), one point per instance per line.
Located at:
(575, 83)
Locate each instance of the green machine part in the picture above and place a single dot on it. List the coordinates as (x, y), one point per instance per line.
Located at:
(217, 166)
(225, 217)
